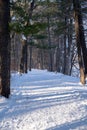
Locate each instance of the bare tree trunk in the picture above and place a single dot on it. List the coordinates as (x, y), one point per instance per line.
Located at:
(49, 42)
(58, 57)
(4, 48)
(80, 40)
(42, 65)
(65, 54)
(26, 57)
(23, 64)
(70, 48)
(30, 57)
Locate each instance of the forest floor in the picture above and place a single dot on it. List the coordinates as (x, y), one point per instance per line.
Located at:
(42, 100)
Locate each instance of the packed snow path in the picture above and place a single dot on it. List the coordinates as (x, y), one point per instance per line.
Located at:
(42, 100)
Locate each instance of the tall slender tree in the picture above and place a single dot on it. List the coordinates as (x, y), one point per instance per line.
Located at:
(80, 40)
(4, 48)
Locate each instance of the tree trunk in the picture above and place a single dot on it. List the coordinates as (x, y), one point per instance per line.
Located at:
(49, 42)
(65, 54)
(23, 64)
(4, 48)
(30, 57)
(80, 40)
(26, 57)
(70, 48)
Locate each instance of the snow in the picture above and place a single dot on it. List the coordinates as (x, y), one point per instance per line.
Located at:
(42, 100)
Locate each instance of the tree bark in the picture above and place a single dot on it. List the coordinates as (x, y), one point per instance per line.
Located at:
(64, 64)
(70, 47)
(80, 40)
(23, 64)
(30, 57)
(49, 42)
(4, 48)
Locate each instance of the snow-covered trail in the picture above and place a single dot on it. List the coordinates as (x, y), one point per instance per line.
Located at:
(42, 100)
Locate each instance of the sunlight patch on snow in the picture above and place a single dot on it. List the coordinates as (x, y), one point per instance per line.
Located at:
(41, 100)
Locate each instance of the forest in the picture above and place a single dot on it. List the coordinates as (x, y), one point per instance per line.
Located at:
(42, 34)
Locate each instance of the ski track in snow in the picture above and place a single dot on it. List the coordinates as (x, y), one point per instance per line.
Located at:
(42, 100)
